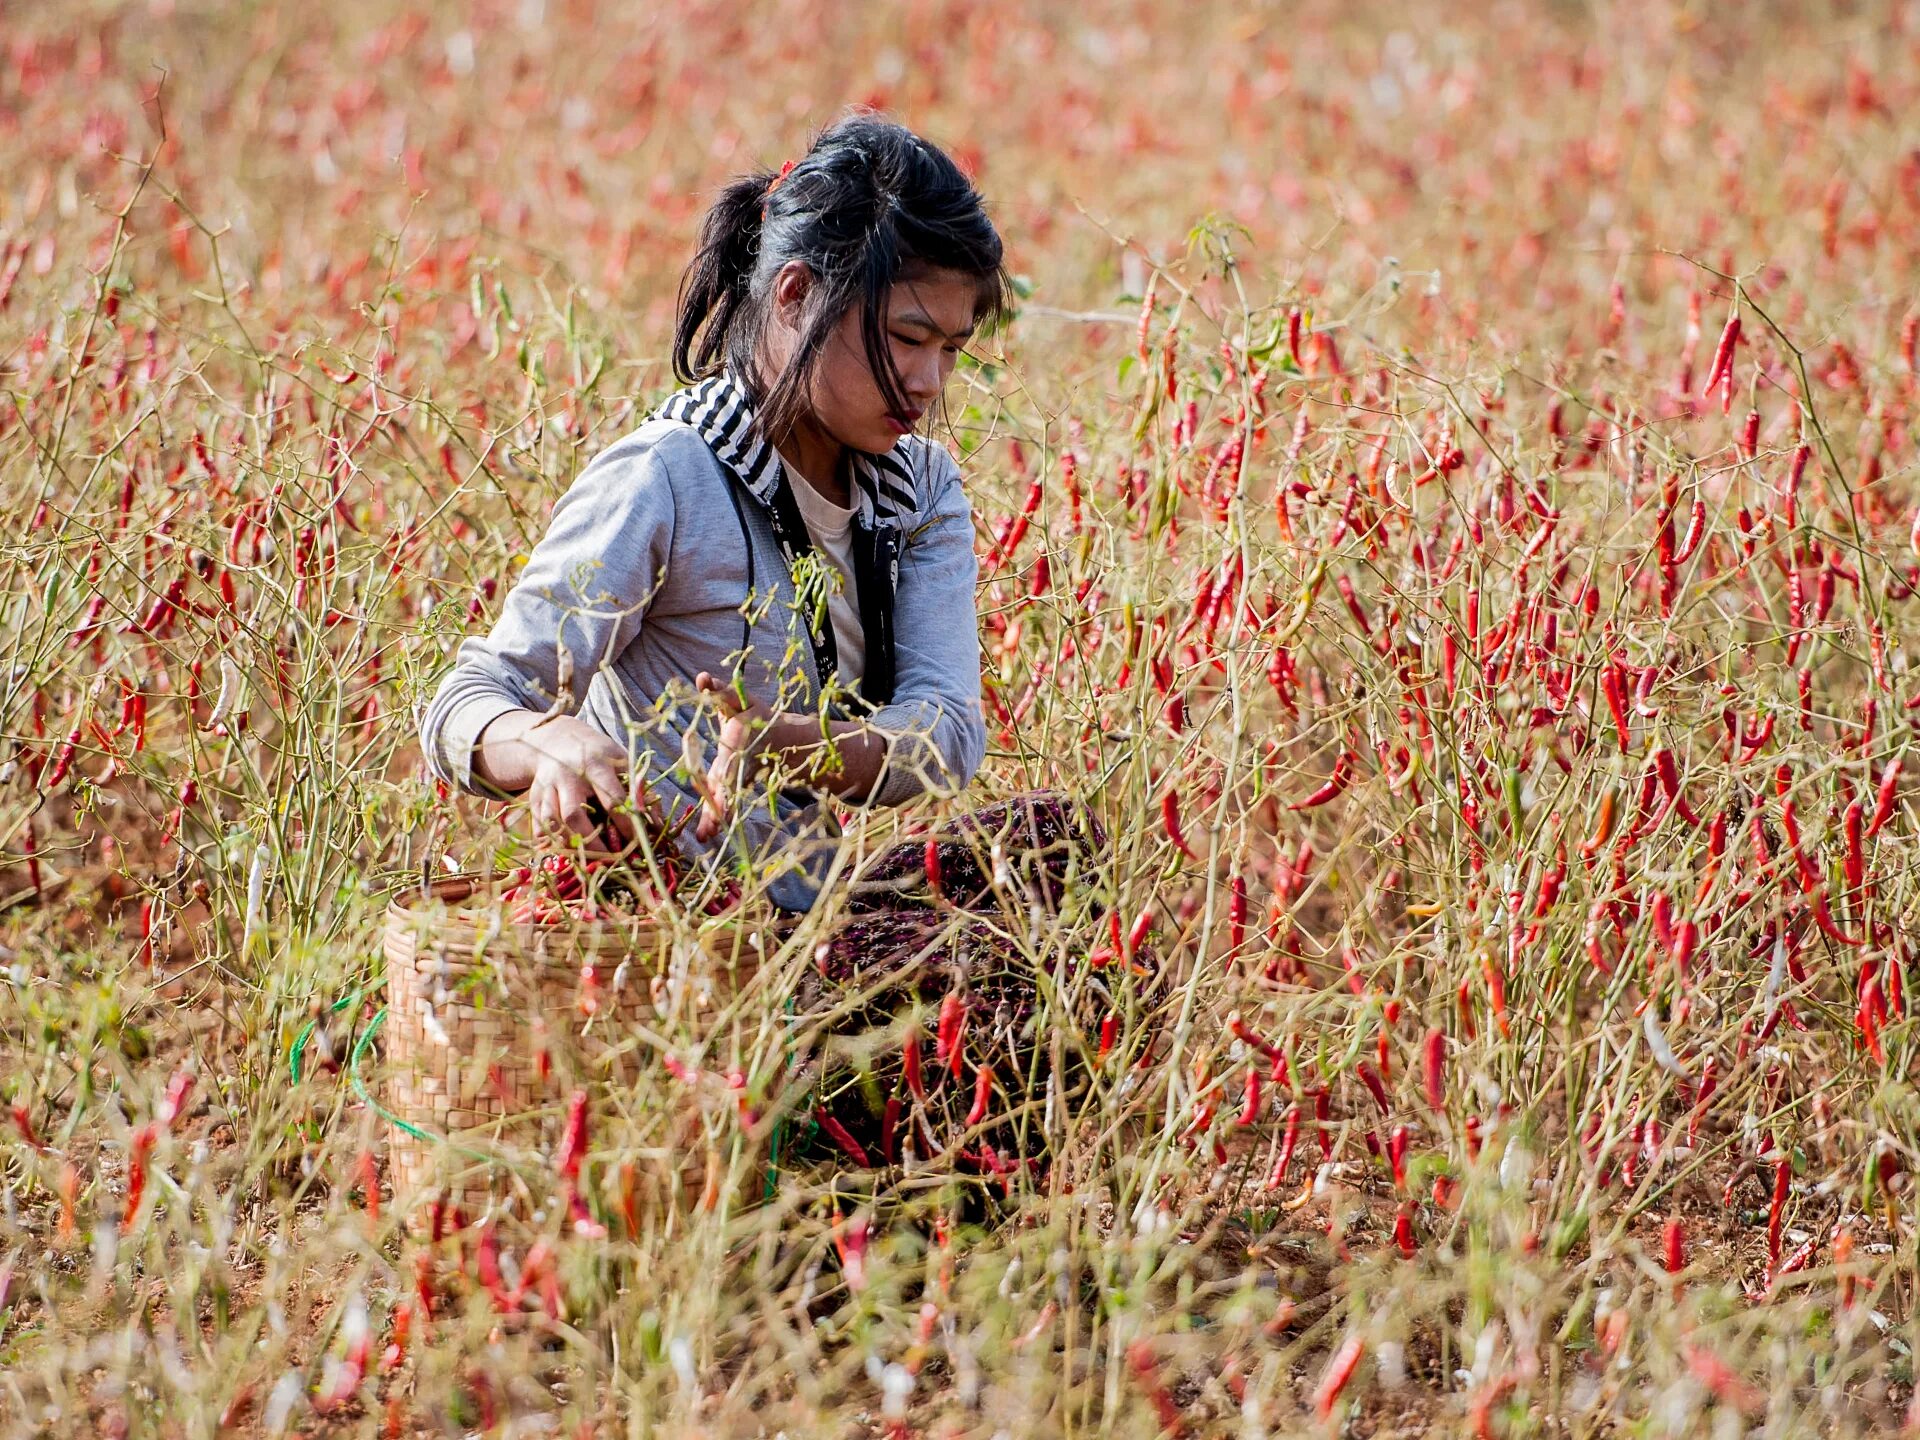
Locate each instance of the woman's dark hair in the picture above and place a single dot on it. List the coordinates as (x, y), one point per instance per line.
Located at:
(872, 203)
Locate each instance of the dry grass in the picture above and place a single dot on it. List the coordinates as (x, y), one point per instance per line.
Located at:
(287, 391)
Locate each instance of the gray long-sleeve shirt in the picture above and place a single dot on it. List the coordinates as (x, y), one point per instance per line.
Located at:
(641, 582)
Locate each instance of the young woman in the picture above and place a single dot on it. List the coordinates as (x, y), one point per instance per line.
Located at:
(774, 574)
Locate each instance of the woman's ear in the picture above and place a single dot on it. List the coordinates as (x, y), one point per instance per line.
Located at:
(790, 289)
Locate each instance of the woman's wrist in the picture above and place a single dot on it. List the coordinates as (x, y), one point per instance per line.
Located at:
(501, 757)
(842, 756)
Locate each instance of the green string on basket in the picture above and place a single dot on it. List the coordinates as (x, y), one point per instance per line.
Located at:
(297, 1051)
(295, 1062)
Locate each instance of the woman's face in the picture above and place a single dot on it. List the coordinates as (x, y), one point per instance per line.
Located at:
(927, 321)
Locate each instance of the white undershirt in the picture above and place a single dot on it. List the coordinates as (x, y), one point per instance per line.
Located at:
(831, 529)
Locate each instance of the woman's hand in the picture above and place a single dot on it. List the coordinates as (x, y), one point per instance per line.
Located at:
(745, 730)
(573, 764)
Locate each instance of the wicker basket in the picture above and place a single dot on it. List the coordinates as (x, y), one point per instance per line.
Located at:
(474, 1001)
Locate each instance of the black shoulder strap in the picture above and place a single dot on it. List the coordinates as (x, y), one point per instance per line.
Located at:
(876, 563)
(790, 531)
(876, 566)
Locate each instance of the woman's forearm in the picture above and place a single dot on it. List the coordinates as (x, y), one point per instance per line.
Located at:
(847, 761)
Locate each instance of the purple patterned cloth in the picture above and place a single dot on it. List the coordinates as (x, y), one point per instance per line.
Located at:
(1036, 837)
(973, 940)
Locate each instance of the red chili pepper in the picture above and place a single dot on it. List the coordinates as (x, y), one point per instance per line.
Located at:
(1371, 1079)
(1883, 800)
(1686, 937)
(1017, 531)
(839, 1135)
(89, 623)
(951, 1035)
(1721, 373)
(1643, 692)
(1338, 1372)
(1796, 1261)
(1856, 864)
(1776, 1212)
(1137, 933)
(1615, 692)
(1236, 913)
(1602, 830)
(62, 759)
(159, 617)
(1870, 1012)
(1668, 769)
(143, 1139)
(1335, 784)
(1823, 594)
(1290, 1137)
(1250, 1108)
(1403, 1231)
(23, 1122)
(1596, 955)
(175, 1100)
(1109, 1028)
(1170, 819)
(1146, 317)
(1397, 1143)
(889, 1119)
(1550, 883)
(573, 1140)
(1345, 587)
(916, 1086)
(1435, 1053)
(932, 862)
(1707, 1077)
(1140, 1362)
(982, 1093)
(1496, 992)
(487, 1265)
(1252, 1038)
(1809, 872)
(396, 1352)
(1696, 528)
(368, 1169)
(1823, 917)
(1674, 1242)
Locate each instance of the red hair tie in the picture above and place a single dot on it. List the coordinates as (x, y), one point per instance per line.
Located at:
(774, 184)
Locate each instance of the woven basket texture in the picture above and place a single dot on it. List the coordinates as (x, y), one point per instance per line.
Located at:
(473, 1003)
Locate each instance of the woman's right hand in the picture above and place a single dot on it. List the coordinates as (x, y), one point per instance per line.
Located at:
(567, 763)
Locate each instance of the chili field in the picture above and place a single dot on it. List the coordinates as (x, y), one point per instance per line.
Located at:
(1445, 504)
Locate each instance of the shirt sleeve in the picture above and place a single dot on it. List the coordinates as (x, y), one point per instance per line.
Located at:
(577, 604)
(937, 734)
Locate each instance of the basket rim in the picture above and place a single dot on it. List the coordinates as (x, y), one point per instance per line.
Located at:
(410, 912)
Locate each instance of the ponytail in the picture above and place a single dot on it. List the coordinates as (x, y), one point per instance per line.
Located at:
(716, 284)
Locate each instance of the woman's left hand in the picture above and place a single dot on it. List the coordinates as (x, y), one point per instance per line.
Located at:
(744, 734)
